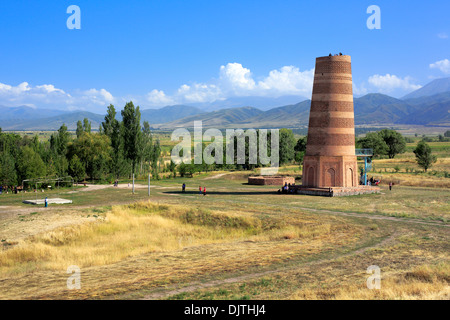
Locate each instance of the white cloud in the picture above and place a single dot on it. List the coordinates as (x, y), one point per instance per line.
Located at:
(389, 83)
(6, 89)
(199, 92)
(443, 65)
(287, 80)
(442, 35)
(47, 95)
(27, 95)
(49, 88)
(159, 98)
(234, 80)
(238, 78)
(100, 97)
(237, 81)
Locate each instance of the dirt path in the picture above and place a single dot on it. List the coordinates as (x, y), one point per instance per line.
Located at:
(173, 290)
(217, 176)
(95, 187)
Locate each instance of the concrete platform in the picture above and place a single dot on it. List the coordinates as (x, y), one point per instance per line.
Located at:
(335, 191)
(50, 201)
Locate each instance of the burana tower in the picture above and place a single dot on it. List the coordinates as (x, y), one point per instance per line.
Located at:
(330, 159)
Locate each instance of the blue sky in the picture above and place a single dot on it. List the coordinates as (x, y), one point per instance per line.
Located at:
(158, 53)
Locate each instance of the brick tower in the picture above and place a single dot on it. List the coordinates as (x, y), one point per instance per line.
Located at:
(330, 159)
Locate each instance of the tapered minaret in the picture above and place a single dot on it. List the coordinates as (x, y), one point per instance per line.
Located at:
(330, 159)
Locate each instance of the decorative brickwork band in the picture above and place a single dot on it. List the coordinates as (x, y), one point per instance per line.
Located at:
(318, 106)
(325, 122)
(324, 139)
(329, 87)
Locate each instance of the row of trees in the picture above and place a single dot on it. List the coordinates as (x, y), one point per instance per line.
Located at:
(117, 150)
(124, 147)
(384, 143)
(390, 143)
(286, 155)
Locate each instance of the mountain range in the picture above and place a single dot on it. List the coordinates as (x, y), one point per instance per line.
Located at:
(429, 105)
(430, 89)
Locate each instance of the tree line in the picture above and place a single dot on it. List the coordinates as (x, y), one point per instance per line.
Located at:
(286, 154)
(117, 150)
(121, 148)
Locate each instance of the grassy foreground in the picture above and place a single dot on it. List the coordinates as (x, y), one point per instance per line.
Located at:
(238, 242)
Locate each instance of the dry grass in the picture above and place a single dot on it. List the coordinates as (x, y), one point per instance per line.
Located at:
(127, 231)
(426, 282)
(138, 249)
(413, 180)
(414, 265)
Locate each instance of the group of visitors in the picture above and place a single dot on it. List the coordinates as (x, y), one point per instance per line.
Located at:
(373, 182)
(287, 188)
(200, 189)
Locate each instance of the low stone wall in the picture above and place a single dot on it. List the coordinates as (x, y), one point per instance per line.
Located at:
(337, 191)
(271, 180)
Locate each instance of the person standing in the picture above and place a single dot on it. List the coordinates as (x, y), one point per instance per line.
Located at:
(390, 186)
(46, 202)
(183, 188)
(204, 191)
(200, 189)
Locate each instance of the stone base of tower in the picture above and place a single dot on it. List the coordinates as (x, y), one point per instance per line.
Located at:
(330, 171)
(335, 191)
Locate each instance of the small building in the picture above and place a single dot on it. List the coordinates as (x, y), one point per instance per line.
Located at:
(271, 180)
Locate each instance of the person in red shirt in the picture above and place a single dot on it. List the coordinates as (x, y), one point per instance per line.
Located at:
(204, 191)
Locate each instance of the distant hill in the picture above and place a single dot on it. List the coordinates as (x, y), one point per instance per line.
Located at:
(248, 117)
(429, 100)
(370, 109)
(421, 107)
(437, 114)
(263, 103)
(431, 110)
(287, 116)
(20, 113)
(220, 119)
(26, 118)
(55, 122)
(432, 88)
(379, 108)
(168, 114)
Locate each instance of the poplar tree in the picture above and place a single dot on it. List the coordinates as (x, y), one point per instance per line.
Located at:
(131, 132)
